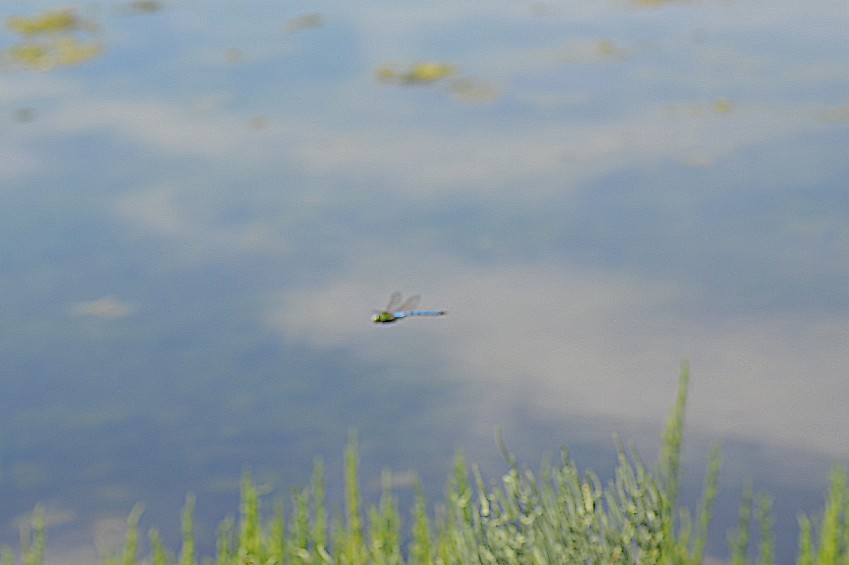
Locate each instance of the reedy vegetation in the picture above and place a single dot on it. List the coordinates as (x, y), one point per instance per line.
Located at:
(562, 516)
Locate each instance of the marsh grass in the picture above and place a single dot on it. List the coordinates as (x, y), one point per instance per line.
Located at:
(562, 515)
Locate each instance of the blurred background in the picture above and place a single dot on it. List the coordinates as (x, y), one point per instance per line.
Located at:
(201, 204)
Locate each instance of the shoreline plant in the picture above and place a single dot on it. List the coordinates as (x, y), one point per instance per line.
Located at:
(564, 515)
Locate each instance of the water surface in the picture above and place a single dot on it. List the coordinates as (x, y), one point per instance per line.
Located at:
(202, 203)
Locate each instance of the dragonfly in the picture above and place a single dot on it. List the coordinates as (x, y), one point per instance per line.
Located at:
(396, 309)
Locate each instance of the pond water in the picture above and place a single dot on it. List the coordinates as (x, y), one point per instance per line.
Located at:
(204, 202)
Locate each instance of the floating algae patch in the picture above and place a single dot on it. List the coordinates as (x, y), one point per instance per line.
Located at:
(423, 72)
(658, 3)
(593, 52)
(53, 21)
(302, 22)
(234, 56)
(50, 40)
(106, 308)
(474, 91)
(145, 6)
(719, 106)
(140, 7)
(722, 105)
(25, 115)
(837, 114)
(426, 73)
(46, 55)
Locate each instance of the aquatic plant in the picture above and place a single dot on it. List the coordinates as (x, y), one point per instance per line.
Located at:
(49, 40)
(564, 515)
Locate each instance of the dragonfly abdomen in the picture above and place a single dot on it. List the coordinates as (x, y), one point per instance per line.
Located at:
(420, 313)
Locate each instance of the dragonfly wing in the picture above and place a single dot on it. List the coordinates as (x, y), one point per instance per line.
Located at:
(410, 303)
(394, 302)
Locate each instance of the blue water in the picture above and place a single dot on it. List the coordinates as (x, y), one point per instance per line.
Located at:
(198, 219)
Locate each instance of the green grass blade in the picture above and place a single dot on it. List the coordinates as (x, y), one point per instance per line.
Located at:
(669, 468)
(33, 538)
(833, 516)
(187, 554)
(159, 556)
(766, 521)
(806, 544)
(739, 541)
(708, 497)
(131, 545)
(354, 552)
(319, 535)
(421, 547)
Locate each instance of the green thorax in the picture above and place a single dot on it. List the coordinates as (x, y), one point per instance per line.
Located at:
(383, 318)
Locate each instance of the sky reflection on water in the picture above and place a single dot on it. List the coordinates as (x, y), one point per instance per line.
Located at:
(199, 217)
